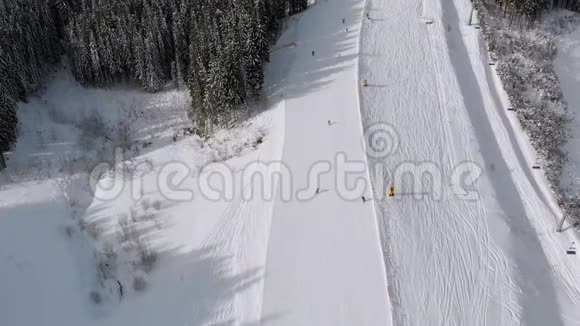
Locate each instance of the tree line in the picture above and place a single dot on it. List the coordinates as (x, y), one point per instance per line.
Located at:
(524, 13)
(567, 4)
(215, 48)
(29, 45)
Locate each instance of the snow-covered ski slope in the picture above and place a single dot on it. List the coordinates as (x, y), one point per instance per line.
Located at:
(316, 260)
(493, 259)
(324, 263)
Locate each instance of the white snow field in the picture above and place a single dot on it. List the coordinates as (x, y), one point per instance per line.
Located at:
(494, 260)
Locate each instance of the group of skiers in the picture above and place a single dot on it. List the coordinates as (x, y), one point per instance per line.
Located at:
(343, 22)
(390, 192)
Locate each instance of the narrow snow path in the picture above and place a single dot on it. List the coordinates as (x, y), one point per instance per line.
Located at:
(324, 265)
(452, 260)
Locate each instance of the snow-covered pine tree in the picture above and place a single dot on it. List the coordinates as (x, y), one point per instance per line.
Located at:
(152, 79)
(95, 60)
(28, 47)
(148, 42)
(297, 6)
(179, 46)
(257, 53)
(8, 120)
(567, 4)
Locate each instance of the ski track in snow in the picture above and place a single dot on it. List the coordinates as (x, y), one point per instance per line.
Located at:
(493, 261)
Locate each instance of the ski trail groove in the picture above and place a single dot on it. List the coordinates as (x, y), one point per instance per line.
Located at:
(444, 264)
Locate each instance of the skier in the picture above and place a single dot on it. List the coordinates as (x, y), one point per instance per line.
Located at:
(317, 191)
(120, 289)
(364, 199)
(329, 123)
(369, 18)
(312, 52)
(343, 20)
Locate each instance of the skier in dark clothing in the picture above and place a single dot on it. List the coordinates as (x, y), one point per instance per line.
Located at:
(312, 53)
(364, 199)
(343, 20)
(120, 288)
(317, 191)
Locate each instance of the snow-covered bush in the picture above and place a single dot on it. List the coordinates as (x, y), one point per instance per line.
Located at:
(226, 144)
(95, 297)
(559, 25)
(92, 128)
(139, 284)
(147, 258)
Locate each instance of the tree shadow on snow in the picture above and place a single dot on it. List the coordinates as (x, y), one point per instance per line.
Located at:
(539, 299)
(198, 286)
(294, 71)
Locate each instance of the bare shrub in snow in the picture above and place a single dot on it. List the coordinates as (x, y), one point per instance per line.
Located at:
(123, 136)
(58, 116)
(109, 252)
(562, 24)
(91, 228)
(95, 297)
(106, 264)
(82, 225)
(148, 216)
(139, 284)
(69, 231)
(126, 228)
(92, 127)
(227, 144)
(145, 204)
(147, 258)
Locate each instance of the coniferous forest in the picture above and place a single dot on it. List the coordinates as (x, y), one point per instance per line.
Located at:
(214, 48)
(523, 53)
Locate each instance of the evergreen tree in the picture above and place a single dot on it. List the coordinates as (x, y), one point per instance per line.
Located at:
(29, 45)
(7, 120)
(217, 48)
